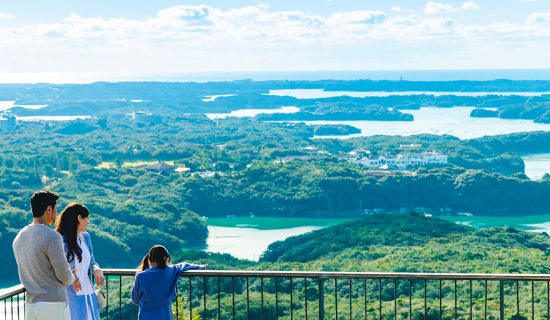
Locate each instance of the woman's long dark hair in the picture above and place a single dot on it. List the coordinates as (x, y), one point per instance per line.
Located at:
(157, 254)
(67, 226)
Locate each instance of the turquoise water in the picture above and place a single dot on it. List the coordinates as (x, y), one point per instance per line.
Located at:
(454, 121)
(248, 238)
(5, 105)
(536, 165)
(251, 112)
(536, 223)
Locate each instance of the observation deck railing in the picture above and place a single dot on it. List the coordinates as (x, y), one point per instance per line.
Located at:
(244, 294)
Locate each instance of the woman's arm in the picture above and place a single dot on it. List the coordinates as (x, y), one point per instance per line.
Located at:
(91, 249)
(100, 279)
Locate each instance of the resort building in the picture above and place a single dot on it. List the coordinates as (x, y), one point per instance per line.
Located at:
(160, 167)
(410, 146)
(8, 121)
(403, 161)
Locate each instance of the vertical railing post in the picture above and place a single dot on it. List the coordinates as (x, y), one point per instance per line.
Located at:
(205, 310)
(305, 297)
(247, 300)
(219, 300)
(190, 298)
(120, 297)
(502, 300)
(321, 282)
(107, 295)
(262, 296)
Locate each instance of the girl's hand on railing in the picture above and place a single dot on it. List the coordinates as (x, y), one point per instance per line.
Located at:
(99, 278)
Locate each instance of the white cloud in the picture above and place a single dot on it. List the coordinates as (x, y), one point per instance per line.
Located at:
(539, 17)
(357, 17)
(195, 26)
(470, 5)
(4, 15)
(396, 9)
(433, 7)
(189, 15)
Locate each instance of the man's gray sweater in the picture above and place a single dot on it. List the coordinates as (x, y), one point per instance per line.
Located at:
(42, 265)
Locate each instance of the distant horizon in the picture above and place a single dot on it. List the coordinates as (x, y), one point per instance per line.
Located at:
(273, 75)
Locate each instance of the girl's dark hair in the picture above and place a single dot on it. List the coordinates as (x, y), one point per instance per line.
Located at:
(157, 254)
(67, 226)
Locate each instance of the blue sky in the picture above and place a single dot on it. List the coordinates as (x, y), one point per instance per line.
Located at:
(105, 38)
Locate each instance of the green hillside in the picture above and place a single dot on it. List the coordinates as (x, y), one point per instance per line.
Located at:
(414, 243)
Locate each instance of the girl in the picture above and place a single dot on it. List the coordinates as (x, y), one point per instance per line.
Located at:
(155, 284)
(72, 224)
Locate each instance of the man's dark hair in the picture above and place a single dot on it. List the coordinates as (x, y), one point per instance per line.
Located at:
(40, 201)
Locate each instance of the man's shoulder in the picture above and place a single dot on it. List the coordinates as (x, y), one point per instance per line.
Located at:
(24, 230)
(49, 232)
(19, 238)
(35, 236)
(43, 231)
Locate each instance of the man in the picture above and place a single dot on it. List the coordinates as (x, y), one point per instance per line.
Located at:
(41, 262)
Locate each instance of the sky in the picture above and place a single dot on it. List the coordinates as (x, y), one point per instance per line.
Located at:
(105, 39)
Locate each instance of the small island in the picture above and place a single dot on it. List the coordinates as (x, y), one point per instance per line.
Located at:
(341, 111)
(335, 130)
(483, 113)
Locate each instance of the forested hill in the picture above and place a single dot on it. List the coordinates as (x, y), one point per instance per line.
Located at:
(378, 229)
(410, 242)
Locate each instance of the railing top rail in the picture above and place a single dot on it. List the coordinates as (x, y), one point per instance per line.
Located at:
(322, 274)
(13, 292)
(368, 275)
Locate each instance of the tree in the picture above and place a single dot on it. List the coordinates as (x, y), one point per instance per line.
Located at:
(119, 161)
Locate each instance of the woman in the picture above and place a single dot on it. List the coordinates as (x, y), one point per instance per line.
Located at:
(155, 284)
(72, 224)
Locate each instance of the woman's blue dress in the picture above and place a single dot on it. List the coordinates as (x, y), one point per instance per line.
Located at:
(83, 307)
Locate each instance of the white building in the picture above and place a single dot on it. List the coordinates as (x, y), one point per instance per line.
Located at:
(405, 160)
(8, 121)
(410, 146)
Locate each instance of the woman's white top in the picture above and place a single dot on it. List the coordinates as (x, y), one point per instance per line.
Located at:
(82, 268)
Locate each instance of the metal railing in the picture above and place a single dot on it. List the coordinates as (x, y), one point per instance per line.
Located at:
(228, 294)
(12, 303)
